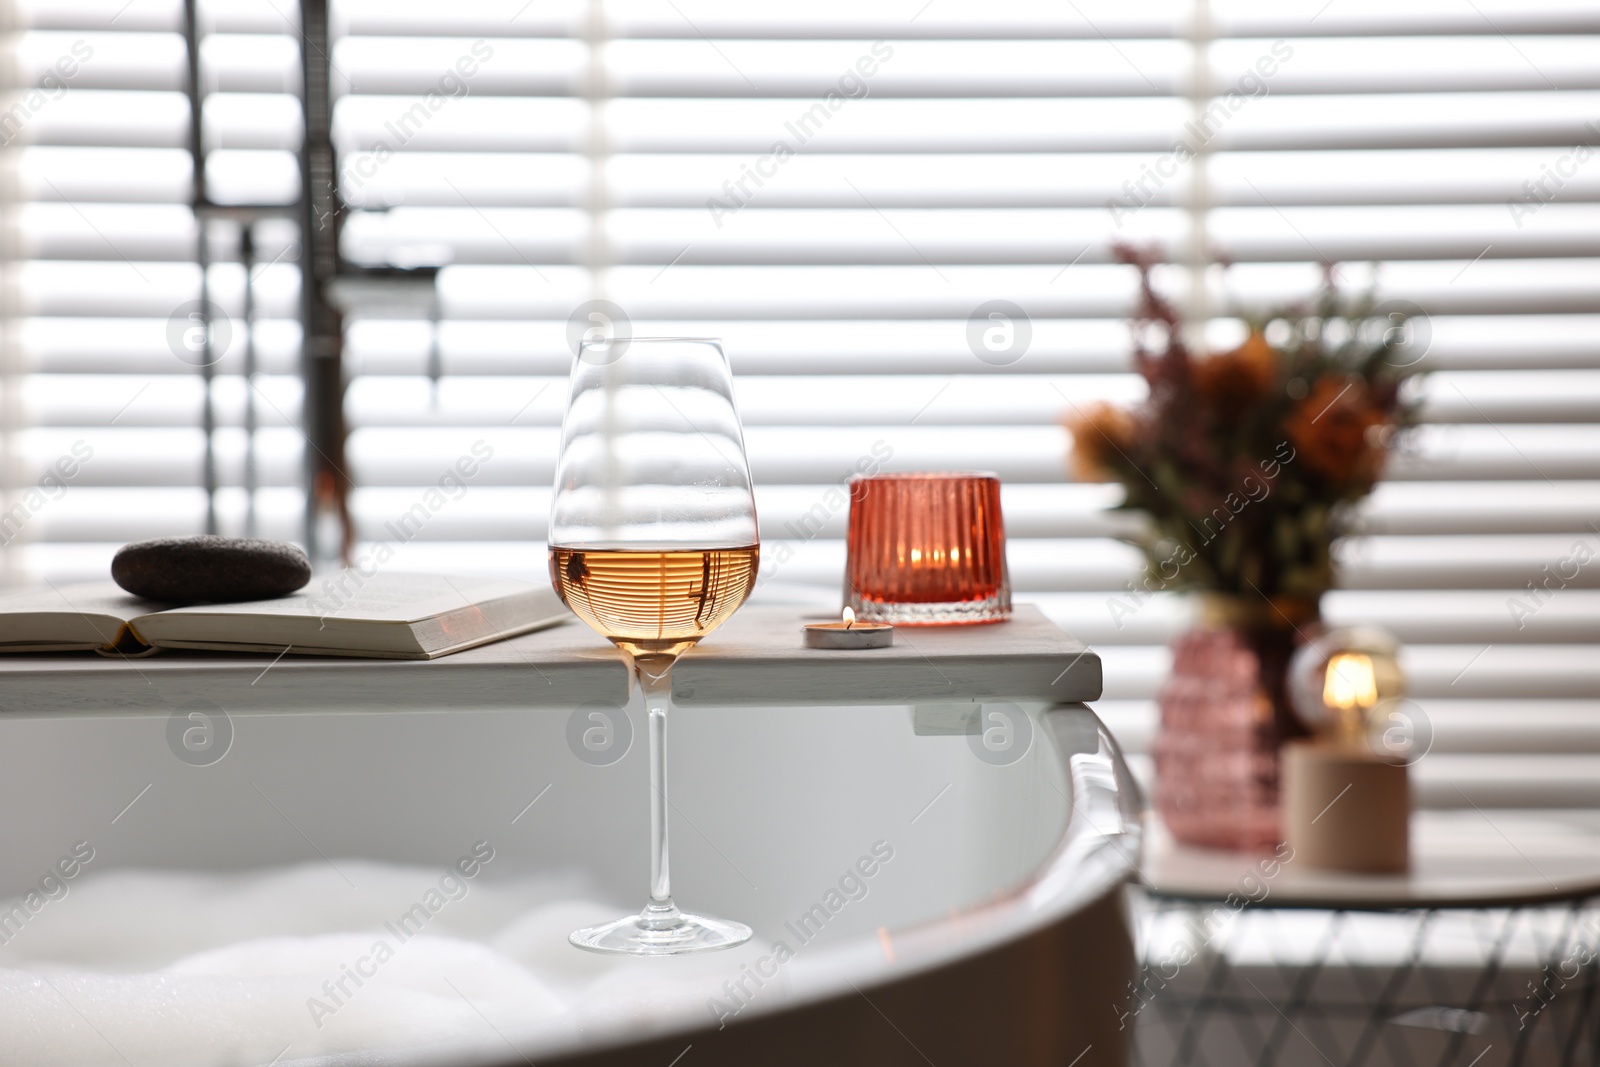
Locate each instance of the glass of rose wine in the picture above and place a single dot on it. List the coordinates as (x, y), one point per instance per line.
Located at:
(653, 543)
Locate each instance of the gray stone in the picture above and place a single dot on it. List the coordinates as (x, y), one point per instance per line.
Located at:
(210, 569)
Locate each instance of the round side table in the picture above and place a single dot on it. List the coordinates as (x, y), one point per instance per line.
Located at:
(1487, 953)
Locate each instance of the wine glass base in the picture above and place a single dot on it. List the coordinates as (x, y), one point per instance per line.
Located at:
(631, 937)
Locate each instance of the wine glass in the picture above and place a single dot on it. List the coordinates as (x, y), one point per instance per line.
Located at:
(653, 543)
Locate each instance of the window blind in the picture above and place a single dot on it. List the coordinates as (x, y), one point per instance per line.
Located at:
(900, 220)
(839, 193)
(118, 422)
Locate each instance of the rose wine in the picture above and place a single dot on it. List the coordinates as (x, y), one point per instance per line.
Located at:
(653, 601)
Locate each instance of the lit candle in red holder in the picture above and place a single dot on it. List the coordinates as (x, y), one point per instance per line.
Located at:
(927, 549)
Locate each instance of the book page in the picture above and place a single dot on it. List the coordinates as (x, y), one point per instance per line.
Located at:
(398, 615)
(382, 598)
(83, 615)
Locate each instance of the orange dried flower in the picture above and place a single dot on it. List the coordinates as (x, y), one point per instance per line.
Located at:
(1101, 434)
(1337, 431)
(1229, 382)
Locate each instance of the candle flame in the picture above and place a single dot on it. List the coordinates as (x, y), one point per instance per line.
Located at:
(849, 618)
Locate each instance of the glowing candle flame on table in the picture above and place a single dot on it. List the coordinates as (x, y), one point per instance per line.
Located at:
(849, 617)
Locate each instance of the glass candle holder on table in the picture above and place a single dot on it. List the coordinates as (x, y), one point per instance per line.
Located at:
(927, 549)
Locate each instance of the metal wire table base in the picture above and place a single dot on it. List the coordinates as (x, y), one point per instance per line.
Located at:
(1485, 987)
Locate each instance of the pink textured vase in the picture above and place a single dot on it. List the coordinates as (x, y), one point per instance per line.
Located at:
(1224, 715)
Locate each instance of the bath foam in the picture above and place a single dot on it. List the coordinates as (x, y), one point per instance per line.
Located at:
(134, 920)
(193, 970)
(438, 990)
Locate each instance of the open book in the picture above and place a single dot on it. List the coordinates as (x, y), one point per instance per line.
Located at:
(387, 616)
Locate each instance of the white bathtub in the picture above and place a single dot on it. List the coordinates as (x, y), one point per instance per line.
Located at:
(995, 933)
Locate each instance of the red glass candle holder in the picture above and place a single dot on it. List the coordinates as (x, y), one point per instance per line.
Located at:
(927, 550)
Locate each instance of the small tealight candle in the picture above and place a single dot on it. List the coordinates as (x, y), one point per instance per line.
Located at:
(847, 633)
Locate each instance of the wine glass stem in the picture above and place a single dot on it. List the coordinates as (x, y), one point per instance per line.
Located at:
(655, 679)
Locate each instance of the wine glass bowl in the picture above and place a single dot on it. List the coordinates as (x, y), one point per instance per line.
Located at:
(654, 601)
(653, 543)
(651, 450)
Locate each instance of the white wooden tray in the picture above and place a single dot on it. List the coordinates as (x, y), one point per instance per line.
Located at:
(757, 659)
